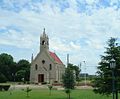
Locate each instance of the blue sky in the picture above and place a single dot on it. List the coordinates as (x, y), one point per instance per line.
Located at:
(78, 27)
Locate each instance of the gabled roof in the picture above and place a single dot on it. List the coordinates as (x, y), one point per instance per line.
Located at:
(55, 57)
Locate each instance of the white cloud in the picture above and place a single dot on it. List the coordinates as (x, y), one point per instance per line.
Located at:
(20, 40)
(63, 47)
(74, 46)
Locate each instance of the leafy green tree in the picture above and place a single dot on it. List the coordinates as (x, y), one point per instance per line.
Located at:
(76, 69)
(10, 71)
(7, 66)
(68, 80)
(103, 81)
(23, 70)
(20, 75)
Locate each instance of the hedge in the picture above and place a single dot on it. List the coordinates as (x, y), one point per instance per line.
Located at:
(4, 87)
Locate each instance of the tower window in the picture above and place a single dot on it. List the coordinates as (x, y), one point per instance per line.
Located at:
(36, 66)
(43, 61)
(43, 42)
(50, 68)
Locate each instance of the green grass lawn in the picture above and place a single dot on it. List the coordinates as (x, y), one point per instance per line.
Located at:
(44, 94)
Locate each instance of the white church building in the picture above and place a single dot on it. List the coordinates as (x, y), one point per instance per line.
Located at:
(46, 66)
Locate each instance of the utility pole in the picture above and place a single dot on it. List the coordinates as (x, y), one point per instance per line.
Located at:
(67, 59)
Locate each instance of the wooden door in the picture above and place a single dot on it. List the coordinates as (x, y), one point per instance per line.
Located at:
(40, 78)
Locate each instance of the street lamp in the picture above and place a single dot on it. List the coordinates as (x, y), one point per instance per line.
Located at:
(112, 66)
(85, 71)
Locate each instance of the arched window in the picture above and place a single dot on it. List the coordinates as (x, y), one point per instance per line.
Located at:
(50, 67)
(36, 66)
(43, 42)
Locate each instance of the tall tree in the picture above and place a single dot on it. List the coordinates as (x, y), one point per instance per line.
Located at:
(7, 66)
(76, 69)
(103, 81)
(68, 80)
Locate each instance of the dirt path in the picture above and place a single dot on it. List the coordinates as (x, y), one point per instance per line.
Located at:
(32, 86)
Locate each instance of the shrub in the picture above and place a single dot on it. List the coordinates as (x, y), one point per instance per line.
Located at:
(4, 87)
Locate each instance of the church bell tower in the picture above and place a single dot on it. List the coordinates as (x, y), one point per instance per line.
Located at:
(44, 42)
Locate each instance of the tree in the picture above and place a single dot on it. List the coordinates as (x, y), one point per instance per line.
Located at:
(27, 90)
(68, 80)
(50, 88)
(7, 66)
(2, 78)
(103, 81)
(23, 70)
(20, 75)
(76, 69)
(10, 71)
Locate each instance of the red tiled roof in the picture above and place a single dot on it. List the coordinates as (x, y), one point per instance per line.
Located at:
(55, 57)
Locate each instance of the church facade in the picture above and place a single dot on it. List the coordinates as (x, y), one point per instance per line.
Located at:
(46, 66)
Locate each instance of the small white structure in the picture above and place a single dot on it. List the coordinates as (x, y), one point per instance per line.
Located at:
(46, 66)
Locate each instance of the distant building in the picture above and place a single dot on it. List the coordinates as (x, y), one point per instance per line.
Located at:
(46, 66)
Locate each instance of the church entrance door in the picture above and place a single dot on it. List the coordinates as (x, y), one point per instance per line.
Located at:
(40, 78)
